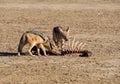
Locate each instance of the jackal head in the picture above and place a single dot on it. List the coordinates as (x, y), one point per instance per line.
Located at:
(53, 47)
(65, 33)
(50, 44)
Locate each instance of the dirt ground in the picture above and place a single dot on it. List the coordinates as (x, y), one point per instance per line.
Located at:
(95, 22)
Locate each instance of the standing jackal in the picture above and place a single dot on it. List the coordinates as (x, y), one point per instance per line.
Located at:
(60, 35)
(35, 38)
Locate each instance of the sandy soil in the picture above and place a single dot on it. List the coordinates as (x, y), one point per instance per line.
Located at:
(95, 22)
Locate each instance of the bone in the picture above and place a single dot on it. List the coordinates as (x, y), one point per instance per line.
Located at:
(79, 46)
(66, 46)
(73, 43)
(69, 44)
(84, 44)
(76, 44)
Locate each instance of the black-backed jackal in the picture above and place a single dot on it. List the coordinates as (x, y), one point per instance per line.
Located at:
(60, 35)
(35, 38)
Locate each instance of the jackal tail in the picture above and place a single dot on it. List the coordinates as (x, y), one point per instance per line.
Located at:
(22, 42)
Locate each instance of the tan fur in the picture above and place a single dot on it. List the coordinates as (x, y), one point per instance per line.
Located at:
(33, 40)
(60, 35)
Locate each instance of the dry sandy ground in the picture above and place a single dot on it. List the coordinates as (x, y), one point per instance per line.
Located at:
(95, 22)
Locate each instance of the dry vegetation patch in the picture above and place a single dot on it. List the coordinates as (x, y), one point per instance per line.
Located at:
(95, 22)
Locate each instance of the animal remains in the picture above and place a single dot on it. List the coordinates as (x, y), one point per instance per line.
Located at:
(71, 47)
(74, 46)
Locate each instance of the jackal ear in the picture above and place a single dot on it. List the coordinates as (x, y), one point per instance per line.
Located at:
(68, 29)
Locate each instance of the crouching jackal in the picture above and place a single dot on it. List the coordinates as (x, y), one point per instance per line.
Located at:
(60, 35)
(35, 38)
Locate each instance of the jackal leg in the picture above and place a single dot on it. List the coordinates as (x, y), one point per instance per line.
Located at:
(62, 44)
(43, 48)
(38, 51)
(29, 51)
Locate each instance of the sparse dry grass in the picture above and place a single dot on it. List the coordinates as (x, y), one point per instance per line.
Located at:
(97, 25)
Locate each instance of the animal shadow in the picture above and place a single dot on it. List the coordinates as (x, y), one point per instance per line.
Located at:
(9, 54)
